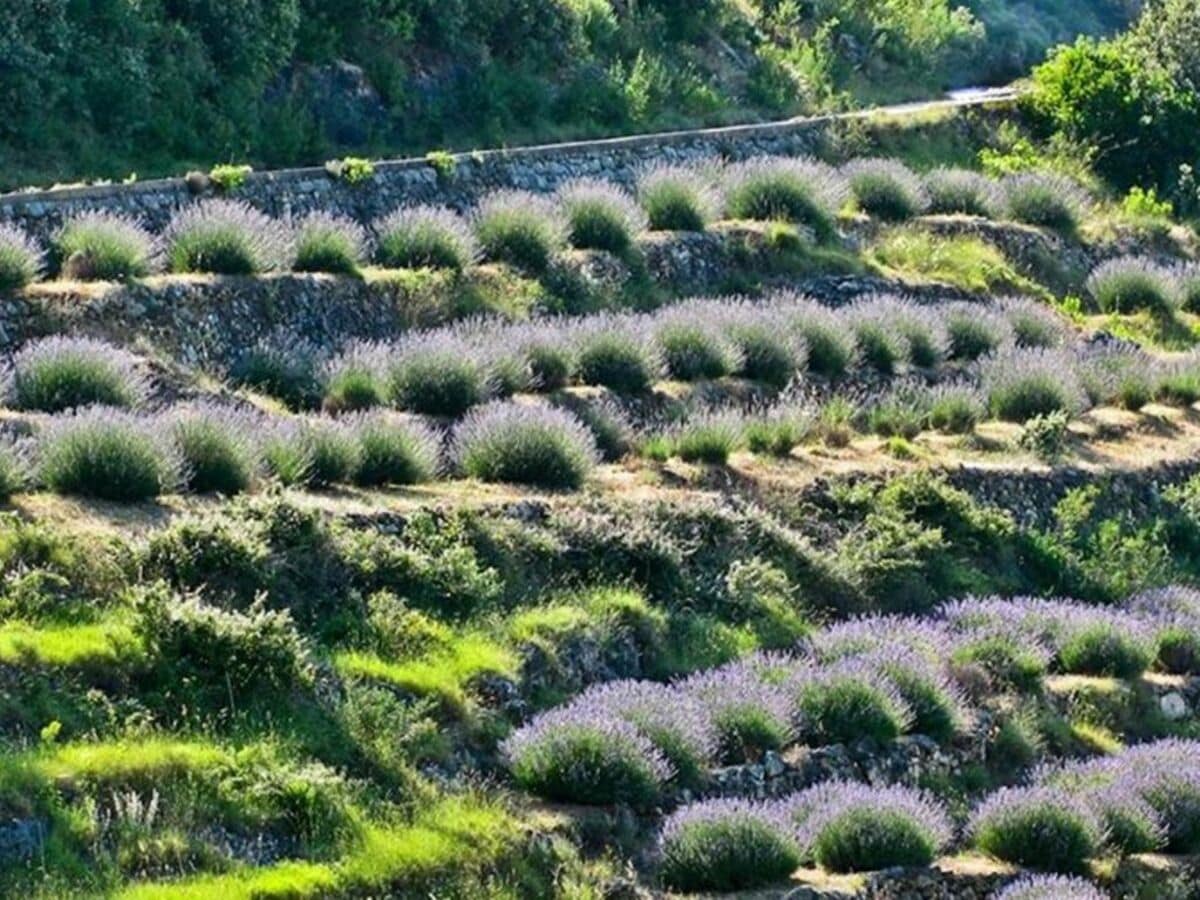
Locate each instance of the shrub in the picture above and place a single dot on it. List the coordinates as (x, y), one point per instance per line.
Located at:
(217, 448)
(285, 366)
(1032, 323)
(1022, 384)
(780, 428)
(961, 192)
(14, 467)
(708, 438)
(692, 348)
(104, 453)
(352, 380)
(1040, 828)
(332, 451)
(226, 237)
(1006, 659)
(569, 755)
(436, 374)
(1179, 380)
(607, 422)
(329, 243)
(851, 827)
(829, 339)
(1117, 647)
(1133, 284)
(286, 455)
(878, 344)
(1051, 887)
(901, 412)
(1187, 277)
(1049, 201)
(20, 258)
(677, 198)
(849, 702)
(1131, 824)
(395, 451)
(614, 353)
(534, 445)
(885, 188)
(801, 191)
(58, 373)
(750, 715)
(955, 408)
(99, 246)
(975, 331)
(519, 228)
(415, 237)
(1045, 436)
(764, 347)
(549, 356)
(726, 845)
(600, 216)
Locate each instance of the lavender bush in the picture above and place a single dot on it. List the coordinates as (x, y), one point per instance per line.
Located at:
(549, 355)
(1118, 374)
(101, 246)
(974, 330)
(1131, 284)
(780, 427)
(286, 453)
(1046, 200)
(1175, 615)
(519, 228)
(217, 447)
(329, 243)
(851, 827)
(709, 437)
(393, 450)
(415, 237)
(677, 198)
(878, 344)
(1033, 323)
(600, 216)
(535, 445)
(107, 454)
(283, 365)
(1050, 887)
(617, 353)
(885, 188)
(58, 373)
(332, 450)
(727, 845)
(962, 192)
(766, 348)
(955, 407)
(226, 237)
(1041, 828)
(750, 715)
(15, 473)
(798, 190)
(828, 337)
(1021, 384)
(571, 755)
(1179, 380)
(606, 420)
(20, 258)
(847, 702)
(353, 380)
(693, 345)
(435, 373)
(1187, 277)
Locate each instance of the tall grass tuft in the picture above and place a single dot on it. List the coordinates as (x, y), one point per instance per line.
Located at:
(677, 198)
(600, 216)
(329, 243)
(416, 237)
(58, 373)
(226, 237)
(797, 190)
(20, 258)
(520, 444)
(520, 228)
(100, 246)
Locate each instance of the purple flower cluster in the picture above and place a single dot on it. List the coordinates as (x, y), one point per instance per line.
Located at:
(1051, 887)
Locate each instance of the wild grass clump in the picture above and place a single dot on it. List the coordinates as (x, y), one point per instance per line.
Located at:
(847, 702)
(1051, 887)
(1134, 284)
(435, 374)
(217, 447)
(677, 198)
(727, 845)
(1045, 200)
(354, 381)
(329, 243)
(851, 827)
(962, 192)
(285, 366)
(418, 237)
(693, 348)
(975, 331)
(520, 228)
(58, 373)
(771, 189)
(710, 437)
(600, 216)
(226, 237)
(1038, 827)
(885, 189)
(1022, 384)
(107, 454)
(520, 444)
(100, 246)
(616, 353)
(571, 756)
(397, 451)
(20, 258)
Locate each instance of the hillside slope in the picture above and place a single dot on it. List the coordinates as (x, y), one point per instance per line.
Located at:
(110, 88)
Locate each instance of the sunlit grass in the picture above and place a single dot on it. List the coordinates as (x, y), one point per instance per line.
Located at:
(97, 645)
(966, 262)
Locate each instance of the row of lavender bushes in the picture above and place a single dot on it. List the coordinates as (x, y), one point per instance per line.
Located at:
(874, 678)
(1144, 799)
(1133, 284)
(526, 229)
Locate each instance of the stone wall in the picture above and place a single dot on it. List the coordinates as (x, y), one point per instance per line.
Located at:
(297, 191)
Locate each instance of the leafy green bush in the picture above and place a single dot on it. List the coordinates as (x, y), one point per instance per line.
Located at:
(1045, 436)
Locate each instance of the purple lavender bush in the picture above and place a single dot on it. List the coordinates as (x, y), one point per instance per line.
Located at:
(524, 444)
(1050, 887)
(766, 348)
(329, 243)
(677, 198)
(102, 246)
(1131, 284)
(353, 380)
(727, 845)
(226, 237)
(829, 338)
(571, 755)
(218, 447)
(885, 188)
(1042, 828)
(974, 330)
(1046, 200)
(1175, 614)
(600, 216)
(435, 373)
(395, 450)
(797, 190)
(520, 228)
(961, 192)
(846, 702)
(692, 343)
(1033, 324)
(750, 715)
(617, 352)
(879, 345)
(851, 827)
(57, 373)
(417, 237)
(20, 258)
(1022, 384)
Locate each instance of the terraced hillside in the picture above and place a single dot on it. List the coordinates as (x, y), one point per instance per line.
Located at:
(806, 526)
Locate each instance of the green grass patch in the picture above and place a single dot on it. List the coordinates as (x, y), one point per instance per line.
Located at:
(100, 645)
(961, 261)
